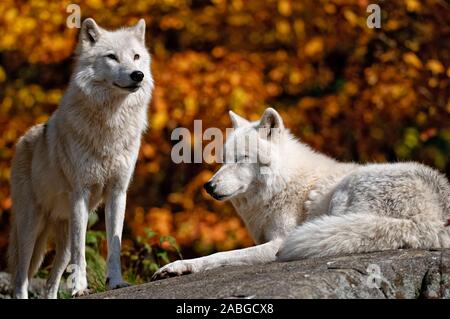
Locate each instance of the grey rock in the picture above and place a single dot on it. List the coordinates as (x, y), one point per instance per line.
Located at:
(36, 290)
(388, 274)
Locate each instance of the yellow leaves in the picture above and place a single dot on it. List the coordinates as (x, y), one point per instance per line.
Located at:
(435, 66)
(351, 88)
(158, 120)
(148, 150)
(283, 28)
(330, 8)
(238, 98)
(191, 105)
(7, 41)
(10, 15)
(94, 4)
(2, 74)
(413, 44)
(413, 5)
(307, 103)
(6, 105)
(153, 167)
(332, 108)
(44, 15)
(392, 24)
(237, 5)
(397, 91)
(412, 59)
(171, 22)
(371, 76)
(54, 96)
(351, 17)
(421, 118)
(433, 82)
(160, 220)
(299, 28)
(285, 7)
(295, 77)
(314, 47)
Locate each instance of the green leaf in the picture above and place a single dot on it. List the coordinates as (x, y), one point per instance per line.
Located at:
(149, 233)
(163, 256)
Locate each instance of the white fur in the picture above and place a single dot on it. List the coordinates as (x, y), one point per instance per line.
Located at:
(83, 156)
(300, 203)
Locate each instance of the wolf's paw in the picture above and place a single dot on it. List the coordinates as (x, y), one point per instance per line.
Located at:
(314, 194)
(111, 284)
(81, 293)
(307, 205)
(177, 268)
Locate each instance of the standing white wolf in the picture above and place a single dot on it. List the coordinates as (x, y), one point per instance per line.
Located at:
(297, 203)
(84, 155)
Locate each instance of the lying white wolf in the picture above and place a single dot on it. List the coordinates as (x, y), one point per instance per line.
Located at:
(297, 203)
(84, 155)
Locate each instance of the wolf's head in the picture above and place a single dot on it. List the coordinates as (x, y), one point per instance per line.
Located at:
(252, 151)
(112, 63)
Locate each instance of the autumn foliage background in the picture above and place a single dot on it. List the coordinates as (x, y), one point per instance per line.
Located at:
(355, 93)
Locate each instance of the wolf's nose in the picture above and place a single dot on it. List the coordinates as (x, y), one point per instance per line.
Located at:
(137, 76)
(209, 187)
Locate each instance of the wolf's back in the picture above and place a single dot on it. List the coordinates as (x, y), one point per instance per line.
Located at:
(372, 230)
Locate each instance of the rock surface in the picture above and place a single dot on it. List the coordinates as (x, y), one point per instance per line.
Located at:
(36, 289)
(389, 274)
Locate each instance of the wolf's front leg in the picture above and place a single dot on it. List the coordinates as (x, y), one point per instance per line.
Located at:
(78, 226)
(248, 256)
(115, 214)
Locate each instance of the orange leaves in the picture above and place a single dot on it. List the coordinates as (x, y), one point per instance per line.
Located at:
(413, 5)
(412, 59)
(435, 66)
(314, 47)
(160, 220)
(285, 7)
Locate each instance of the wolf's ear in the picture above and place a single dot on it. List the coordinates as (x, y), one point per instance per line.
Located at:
(270, 123)
(237, 120)
(139, 30)
(90, 32)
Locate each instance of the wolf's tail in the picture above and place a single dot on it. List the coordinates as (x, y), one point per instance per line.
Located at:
(13, 251)
(358, 233)
(27, 244)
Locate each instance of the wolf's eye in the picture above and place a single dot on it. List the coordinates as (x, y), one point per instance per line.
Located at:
(112, 57)
(136, 57)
